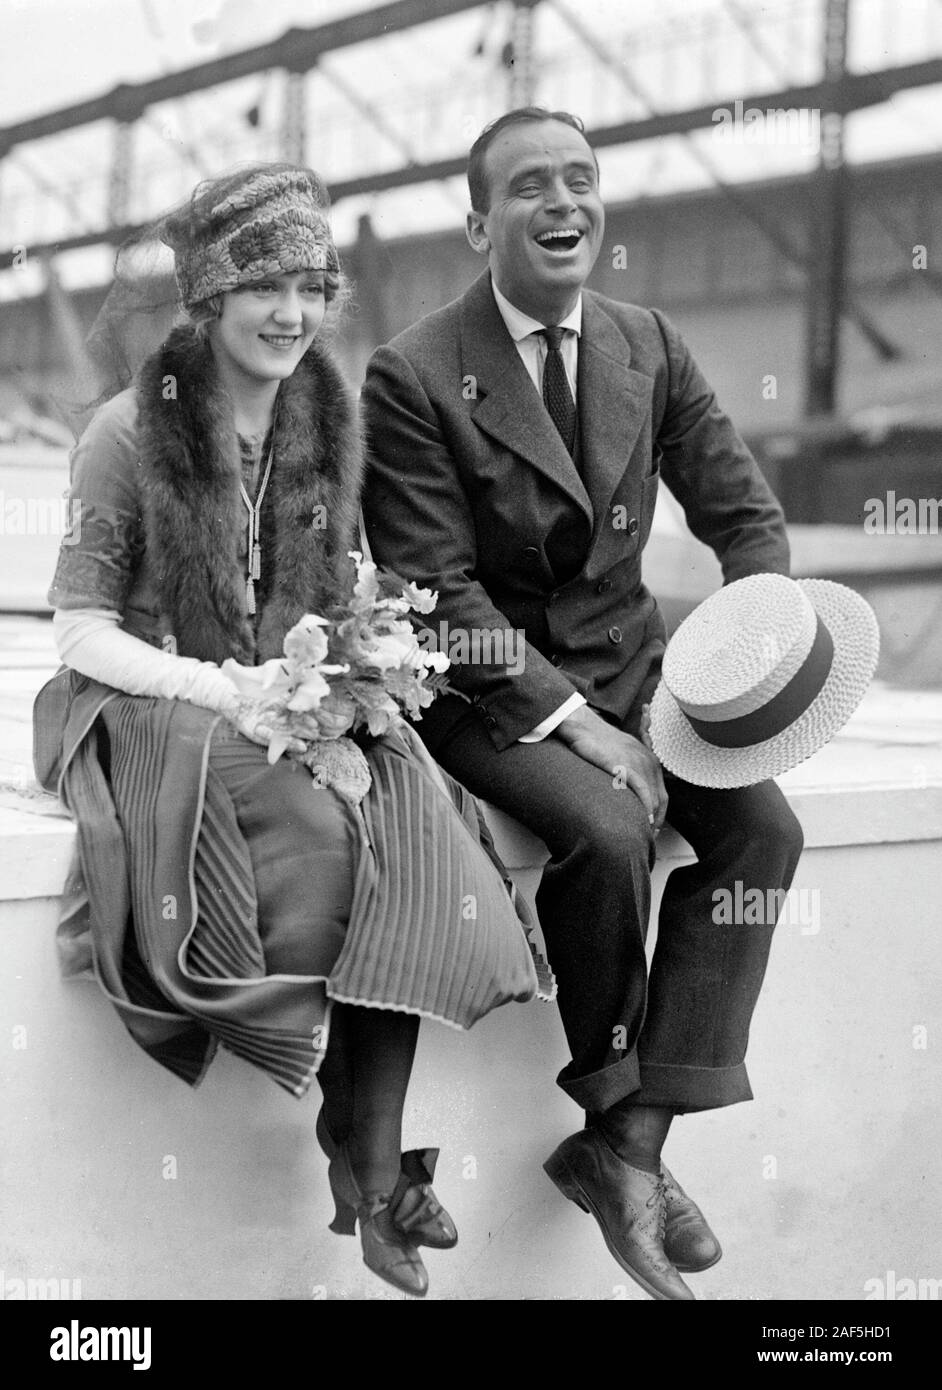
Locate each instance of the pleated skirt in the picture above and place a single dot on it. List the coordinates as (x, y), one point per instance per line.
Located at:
(259, 899)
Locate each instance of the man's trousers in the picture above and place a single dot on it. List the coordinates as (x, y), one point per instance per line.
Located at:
(678, 1036)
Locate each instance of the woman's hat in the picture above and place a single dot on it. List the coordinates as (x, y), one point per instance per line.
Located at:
(239, 229)
(760, 676)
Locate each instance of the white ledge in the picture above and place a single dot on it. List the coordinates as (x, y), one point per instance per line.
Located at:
(878, 782)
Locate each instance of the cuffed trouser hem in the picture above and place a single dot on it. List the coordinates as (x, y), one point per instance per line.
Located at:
(691, 1088)
(658, 1083)
(599, 1089)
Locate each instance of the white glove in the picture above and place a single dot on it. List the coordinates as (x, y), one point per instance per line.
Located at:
(256, 723)
(91, 641)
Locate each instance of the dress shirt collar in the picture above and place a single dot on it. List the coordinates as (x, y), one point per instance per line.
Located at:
(520, 325)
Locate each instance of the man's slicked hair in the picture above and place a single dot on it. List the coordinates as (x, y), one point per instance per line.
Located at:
(477, 158)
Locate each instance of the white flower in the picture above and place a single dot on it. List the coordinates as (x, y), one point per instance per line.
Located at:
(267, 682)
(366, 589)
(307, 642)
(434, 661)
(309, 692)
(421, 600)
(392, 650)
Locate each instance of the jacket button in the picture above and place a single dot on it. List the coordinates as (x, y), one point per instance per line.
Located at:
(490, 721)
(633, 526)
(614, 635)
(603, 586)
(556, 659)
(532, 552)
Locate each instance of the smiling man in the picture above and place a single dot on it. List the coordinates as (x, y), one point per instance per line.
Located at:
(518, 437)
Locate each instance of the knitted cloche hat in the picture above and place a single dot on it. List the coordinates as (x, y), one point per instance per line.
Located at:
(271, 221)
(761, 675)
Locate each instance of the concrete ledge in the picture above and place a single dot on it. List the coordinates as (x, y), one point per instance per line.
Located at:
(116, 1174)
(878, 782)
(35, 851)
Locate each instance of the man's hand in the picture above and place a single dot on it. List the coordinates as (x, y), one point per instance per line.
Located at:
(618, 753)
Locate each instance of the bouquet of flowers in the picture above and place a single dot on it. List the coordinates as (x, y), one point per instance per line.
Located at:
(360, 670)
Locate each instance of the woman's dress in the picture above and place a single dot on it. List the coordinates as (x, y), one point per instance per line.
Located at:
(221, 900)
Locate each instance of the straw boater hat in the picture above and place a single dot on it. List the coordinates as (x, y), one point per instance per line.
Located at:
(760, 676)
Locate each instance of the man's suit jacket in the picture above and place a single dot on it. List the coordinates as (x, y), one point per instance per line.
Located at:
(471, 491)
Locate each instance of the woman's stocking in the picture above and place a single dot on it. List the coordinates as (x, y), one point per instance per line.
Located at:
(382, 1051)
(335, 1074)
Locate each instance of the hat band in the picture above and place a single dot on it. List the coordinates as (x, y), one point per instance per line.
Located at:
(783, 709)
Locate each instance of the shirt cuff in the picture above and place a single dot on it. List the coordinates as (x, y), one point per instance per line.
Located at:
(552, 721)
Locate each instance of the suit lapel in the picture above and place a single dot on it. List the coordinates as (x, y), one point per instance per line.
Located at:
(614, 402)
(508, 407)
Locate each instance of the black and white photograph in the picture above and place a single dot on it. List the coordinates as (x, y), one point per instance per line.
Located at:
(471, 662)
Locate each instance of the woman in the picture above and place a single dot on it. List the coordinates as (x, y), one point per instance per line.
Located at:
(229, 900)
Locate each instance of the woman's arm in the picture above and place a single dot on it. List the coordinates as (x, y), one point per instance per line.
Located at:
(97, 561)
(91, 641)
(94, 575)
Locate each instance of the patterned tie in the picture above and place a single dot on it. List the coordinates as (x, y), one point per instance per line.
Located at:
(557, 396)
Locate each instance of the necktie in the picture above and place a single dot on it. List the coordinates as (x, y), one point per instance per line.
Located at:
(557, 396)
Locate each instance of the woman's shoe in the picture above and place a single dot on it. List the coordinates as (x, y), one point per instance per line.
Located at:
(420, 1215)
(386, 1251)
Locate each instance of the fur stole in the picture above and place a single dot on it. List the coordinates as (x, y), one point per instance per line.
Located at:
(194, 516)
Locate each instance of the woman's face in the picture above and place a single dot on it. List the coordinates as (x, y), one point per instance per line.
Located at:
(266, 328)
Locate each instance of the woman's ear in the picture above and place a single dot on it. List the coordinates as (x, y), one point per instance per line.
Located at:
(476, 231)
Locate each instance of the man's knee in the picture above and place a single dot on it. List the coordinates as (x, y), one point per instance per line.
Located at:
(773, 827)
(613, 830)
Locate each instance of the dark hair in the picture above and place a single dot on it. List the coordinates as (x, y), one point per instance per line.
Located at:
(477, 157)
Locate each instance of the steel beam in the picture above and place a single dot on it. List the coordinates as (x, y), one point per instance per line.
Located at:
(119, 178)
(855, 92)
(294, 118)
(114, 236)
(299, 49)
(296, 49)
(827, 240)
(520, 55)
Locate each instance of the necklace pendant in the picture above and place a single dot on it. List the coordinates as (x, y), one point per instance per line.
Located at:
(250, 597)
(256, 561)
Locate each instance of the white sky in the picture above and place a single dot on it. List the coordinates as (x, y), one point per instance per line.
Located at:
(436, 86)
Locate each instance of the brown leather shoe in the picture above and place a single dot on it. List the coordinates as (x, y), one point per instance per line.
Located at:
(386, 1251)
(419, 1215)
(628, 1204)
(689, 1243)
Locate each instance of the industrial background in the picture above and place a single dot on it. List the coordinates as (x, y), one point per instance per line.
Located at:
(799, 258)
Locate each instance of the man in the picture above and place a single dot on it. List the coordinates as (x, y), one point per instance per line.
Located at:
(518, 436)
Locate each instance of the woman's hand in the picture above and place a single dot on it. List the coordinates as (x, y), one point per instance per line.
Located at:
(255, 722)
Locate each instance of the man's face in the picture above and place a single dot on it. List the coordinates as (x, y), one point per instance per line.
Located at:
(544, 226)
